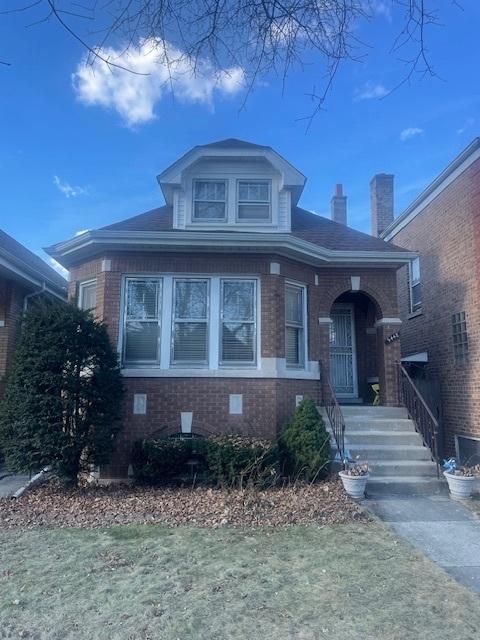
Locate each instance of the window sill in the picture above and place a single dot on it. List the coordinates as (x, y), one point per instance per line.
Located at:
(415, 314)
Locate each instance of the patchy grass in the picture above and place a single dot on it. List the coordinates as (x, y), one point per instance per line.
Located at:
(343, 582)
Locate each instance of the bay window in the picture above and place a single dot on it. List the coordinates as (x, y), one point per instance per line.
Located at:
(294, 326)
(209, 201)
(253, 200)
(238, 332)
(142, 320)
(190, 322)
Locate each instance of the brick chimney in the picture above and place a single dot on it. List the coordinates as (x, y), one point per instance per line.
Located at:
(381, 202)
(339, 206)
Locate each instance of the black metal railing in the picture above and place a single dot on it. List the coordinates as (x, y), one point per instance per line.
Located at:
(425, 422)
(334, 413)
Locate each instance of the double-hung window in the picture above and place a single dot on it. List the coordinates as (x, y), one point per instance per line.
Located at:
(253, 200)
(87, 295)
(295, 325)
(209, 201)
(190, 322)
(142, 320)
(415, 285)
(237, 320)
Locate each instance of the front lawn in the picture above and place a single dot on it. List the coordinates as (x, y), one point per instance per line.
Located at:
(352, 581)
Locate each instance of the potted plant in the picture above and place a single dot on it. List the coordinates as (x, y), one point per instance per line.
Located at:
(354, 479)
(461, 479)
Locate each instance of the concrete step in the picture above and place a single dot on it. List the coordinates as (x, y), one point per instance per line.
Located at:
(374, 437)
(407, 485)
(374, 452)
(419, 468)
(377, 412)
(382, 424)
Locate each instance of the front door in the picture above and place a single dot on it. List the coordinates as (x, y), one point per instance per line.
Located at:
(343, 365)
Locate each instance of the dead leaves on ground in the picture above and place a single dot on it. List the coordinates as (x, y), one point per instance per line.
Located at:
(53, 505)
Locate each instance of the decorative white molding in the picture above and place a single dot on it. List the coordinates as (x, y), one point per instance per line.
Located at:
(298, 400)
(186, 418)
(275, 268)
(383, 321)
(269, 368)
(325, 321)
(106, 265)
(316, 279)
(355, 282)
(140, 404)
(235, 404)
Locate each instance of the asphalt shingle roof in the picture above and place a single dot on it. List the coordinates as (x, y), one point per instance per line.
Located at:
(305, 225)
(21, 256)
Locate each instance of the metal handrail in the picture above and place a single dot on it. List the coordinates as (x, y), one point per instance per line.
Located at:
(418, 410)
(334, 413)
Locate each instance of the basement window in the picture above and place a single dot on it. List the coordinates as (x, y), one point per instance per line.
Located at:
(467, 450)
(460, 337)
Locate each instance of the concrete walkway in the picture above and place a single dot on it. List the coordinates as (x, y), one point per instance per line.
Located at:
(9, 483)
(445, 530)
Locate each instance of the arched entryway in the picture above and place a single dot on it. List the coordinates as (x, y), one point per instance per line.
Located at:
(354, 365)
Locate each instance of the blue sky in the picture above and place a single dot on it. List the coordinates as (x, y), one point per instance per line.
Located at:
(67, 165)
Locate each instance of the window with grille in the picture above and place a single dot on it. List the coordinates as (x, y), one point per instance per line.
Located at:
(87, 295)
(209, 201)
(460, 337)
(142, 320)
(294, 326)
(253, 200)
(190, 322)
(415, 285)
(237, 318)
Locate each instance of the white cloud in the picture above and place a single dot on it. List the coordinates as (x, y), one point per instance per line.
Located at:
(370, 91)
(158, 69)
(58, 267)
(410, 132)
(67, 189)
(469, 122)
(383, 9)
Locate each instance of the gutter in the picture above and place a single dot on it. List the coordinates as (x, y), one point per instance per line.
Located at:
(216, 241)
(36, 281)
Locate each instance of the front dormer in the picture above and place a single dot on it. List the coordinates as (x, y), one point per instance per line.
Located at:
(232, 185)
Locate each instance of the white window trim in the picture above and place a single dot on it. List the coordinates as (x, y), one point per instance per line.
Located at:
(229, 364)
(123, 316)
(412, 283)
(165, 363)
(173, 320)
(299, 367)
(242, 221)
(81, 288)
(210, 221)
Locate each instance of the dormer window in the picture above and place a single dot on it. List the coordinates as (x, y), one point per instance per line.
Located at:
(253, 200)
(210, 201)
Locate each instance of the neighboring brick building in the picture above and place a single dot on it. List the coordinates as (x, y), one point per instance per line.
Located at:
(22, 275)
(439, 294)
(223, 301)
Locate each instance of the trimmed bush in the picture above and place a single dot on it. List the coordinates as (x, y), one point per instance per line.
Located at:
(165, 460)
(236, 461)
(305, 444)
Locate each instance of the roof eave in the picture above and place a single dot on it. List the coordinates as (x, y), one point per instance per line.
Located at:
(71, 252)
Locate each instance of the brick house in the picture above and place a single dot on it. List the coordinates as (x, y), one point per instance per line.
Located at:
(23, 275)
(439, 294)
(224, 301)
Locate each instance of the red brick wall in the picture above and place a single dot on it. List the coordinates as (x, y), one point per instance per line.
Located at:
(11, 308)
(447, 235)
(268, 403)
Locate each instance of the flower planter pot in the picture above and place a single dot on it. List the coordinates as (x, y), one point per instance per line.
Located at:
(461, 487)
(354, 485)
